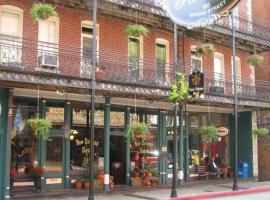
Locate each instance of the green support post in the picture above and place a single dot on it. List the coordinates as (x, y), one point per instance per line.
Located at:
(107, 144)
(164, 144)
(42, 145)
(127, 123)
(5, 117)
(186, 148)
(66, 177)
(181, 146)
(160, 164)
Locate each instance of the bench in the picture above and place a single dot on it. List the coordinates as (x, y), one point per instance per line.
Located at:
(202, 171)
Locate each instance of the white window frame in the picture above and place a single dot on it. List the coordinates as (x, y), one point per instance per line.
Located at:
(221, 77)
(167, 64)
(11, 52)
(88, 24)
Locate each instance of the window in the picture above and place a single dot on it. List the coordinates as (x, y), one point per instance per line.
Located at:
(134, 59)
(48, 37)
(218, 69)
(238, 72)
(162, 60)
(11, 20)
(86, 45)
(196, 62)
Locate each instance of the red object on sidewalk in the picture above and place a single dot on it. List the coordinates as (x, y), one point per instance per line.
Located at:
(223, 194)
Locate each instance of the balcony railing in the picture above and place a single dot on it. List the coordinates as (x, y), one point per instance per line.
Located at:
(65, 61)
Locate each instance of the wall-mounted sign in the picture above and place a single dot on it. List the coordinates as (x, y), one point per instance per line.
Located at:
(197, 13)
(222, 131)
(196, 84)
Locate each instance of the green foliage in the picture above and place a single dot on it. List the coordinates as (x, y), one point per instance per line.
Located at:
(180, 90)
(136, 30)
(208, 49)
(42, 11)
(40, 127)
(255, 60)
(261, 132)
(137, 129)
(208, 133)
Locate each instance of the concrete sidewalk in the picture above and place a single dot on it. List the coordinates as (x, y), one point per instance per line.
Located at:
(188, 191)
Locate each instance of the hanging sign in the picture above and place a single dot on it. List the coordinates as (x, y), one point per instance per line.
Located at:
(196, 84)
(197, 13)
(222, 131)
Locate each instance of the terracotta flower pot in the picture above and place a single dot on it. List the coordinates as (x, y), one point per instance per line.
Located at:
(101, 176)
(86, 185)
(45, 15)
(149, 174)
(78, 184)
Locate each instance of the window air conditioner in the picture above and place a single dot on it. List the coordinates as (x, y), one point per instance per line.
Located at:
(48, 61)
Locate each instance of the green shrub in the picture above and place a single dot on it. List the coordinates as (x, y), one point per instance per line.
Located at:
(261, 132)
(42, 11)
(136, 30)
(40, 127)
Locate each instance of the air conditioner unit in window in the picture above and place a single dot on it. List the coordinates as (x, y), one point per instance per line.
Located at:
(48, 61)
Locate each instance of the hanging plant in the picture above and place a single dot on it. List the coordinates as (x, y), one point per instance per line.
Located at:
(180, 90)
(43, 11)
(255, 60)
(261, 132)
(208, 49)
(137, 130)
(208, 133)
(40, 127)
(136, 30)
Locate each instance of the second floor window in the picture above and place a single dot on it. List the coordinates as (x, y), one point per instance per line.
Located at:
(134, 62)
(161, 61)
(48, 34)
(11, 35)
(218, 69)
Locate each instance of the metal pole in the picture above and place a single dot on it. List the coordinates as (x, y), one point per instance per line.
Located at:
(235, 186)
(93, 96)
(173, 192)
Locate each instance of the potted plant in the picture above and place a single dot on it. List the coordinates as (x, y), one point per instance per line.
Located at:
(137, 129)
(208, 135)
(255, 60)
(78, 184)
(40, 127)
(36, 173)
(43, 11)
(86, 184)
(136, 30)
(208, 49)
(260, 132)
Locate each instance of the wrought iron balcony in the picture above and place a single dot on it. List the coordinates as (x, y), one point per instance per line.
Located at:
(52, 60)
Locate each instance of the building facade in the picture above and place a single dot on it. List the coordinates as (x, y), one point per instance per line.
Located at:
(46, 71)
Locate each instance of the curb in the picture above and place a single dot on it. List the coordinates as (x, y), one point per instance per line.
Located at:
(223, 194)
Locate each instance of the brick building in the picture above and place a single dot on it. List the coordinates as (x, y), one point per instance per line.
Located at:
(46, 69)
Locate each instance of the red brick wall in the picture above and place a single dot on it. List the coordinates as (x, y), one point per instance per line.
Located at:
(112, 41)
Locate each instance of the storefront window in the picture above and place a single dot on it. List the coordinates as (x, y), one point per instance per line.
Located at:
(56, 116)
(54, 149)
(24, 145)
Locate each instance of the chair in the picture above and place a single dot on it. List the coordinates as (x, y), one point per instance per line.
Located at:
(201, 169)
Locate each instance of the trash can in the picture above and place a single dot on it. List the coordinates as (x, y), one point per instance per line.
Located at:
(243, 170)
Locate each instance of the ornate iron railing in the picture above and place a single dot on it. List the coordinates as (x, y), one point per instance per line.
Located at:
(47, 60)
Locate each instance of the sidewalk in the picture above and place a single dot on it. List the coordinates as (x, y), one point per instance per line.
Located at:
(188, 191)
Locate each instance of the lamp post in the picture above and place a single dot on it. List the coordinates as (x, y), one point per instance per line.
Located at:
(235, 186)
(174, 192)
(93, 96)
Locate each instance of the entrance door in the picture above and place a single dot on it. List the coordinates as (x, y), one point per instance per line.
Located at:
(118, 158)
(55, 162)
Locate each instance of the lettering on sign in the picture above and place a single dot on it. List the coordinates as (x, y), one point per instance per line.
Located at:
(197, 13)
(222, 131)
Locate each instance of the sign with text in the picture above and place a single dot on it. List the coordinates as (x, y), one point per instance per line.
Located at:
(196, 84)
(222, 131)
(197, 13)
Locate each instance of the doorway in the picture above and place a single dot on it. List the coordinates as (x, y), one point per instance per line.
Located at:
(118, 159)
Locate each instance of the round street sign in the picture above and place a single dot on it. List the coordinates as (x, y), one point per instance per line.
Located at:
(197, 13)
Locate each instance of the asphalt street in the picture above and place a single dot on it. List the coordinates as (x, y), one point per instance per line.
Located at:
(256, 196)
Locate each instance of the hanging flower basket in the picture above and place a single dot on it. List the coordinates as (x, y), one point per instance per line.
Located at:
(261, 132)
(208, 133)
(136, 30)
(41, 11)
(40, 127)
(255, 60)
(137, 130)
(205, 49)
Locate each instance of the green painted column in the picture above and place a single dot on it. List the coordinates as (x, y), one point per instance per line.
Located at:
(66, 159)
(4, 144)
(181, 145)
(107, 144)
(160, 167)
(163, 173)
(186, 148)
(127, 123)
(42, 145)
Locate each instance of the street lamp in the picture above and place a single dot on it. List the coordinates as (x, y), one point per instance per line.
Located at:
(93, 96)
(235, 186)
